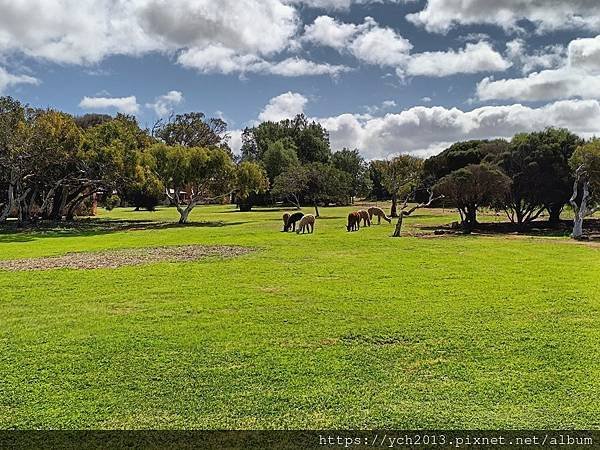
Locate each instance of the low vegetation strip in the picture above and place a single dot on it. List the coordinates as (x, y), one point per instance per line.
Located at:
(126, 257)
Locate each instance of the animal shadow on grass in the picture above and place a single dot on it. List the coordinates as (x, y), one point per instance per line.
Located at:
(10, 233)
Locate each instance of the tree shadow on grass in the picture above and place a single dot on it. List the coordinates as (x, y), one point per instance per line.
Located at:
(535, 229)
(10, 233)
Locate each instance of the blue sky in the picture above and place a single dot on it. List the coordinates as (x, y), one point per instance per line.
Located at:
(384, 76)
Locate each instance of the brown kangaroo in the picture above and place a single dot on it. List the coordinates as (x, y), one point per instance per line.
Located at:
(376, 211)
(306, 224)
(364, 215)
(353, 221)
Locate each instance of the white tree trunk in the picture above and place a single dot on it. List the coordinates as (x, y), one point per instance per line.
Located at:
(581, 210)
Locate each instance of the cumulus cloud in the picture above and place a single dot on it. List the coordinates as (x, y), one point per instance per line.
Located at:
(125, 105)
(579, 77)
(223, 37)
(8, 80)
(218, 59)
(478, 57)
(427, 130)
(284, 106)
(424, 131)
(86, 31)
(547, 57)
(376, 45)
(164, 104)
(546, 15)
(341, 4)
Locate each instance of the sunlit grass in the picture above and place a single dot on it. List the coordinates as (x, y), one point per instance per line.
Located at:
(335, 329)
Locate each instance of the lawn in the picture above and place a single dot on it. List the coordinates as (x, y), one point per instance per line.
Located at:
(331, 330)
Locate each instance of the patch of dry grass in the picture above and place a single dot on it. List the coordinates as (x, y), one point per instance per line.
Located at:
(127, 257)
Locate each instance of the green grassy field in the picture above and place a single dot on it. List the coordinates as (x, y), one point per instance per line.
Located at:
(331, 330)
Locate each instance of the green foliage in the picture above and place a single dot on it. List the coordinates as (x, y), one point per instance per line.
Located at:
(280, 156)
(251, 179)
(352, 163)
(376, 175)
(202, 174)
(192, 130)
(474, 187)
(538, 165)
(402, 174)
(457, 156)
(310, 139)
(585, 163)
(111, 202)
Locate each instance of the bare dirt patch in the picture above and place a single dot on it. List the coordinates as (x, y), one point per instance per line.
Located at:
(113, 259)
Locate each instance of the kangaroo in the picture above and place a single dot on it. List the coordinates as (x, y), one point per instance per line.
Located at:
(353, 221)
(306, 224)
(375, 211)
(291, 222)
(364, 215)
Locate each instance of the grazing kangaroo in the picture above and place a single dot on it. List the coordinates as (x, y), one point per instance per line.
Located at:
(286, 217)
(306, 224)
(375, 211)
(291, 222)
(353, 221)
(364, 215)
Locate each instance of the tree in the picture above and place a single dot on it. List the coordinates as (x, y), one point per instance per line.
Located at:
(405, 213)
(473, 187)
(290, 184)
(146, 190)
(325, 183)
(280, 157)
(192, 130)
(250, 179)
(310, 139)
(378, 190)
(114, 159)
(538, 165)
(400, 177)
(193, 175)
(585, 198)
(15, 160)
(352, 163)
(457, 156)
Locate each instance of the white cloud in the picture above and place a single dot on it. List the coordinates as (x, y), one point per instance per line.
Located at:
(578, 78)
(381, 46)
(284, 106)
(218, 59)
(479, 57)
(126, 105)
(87, 31)
(229, 36)
(546, 15)
(427, 130)
(341, 4)
(547, 57)
(329, 32)
(8, 80)
(585, 54)
(373, 44)
(164, 104)
(540, 86)
(235, 141)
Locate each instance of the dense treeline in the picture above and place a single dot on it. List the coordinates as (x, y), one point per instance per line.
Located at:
(53, 165)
